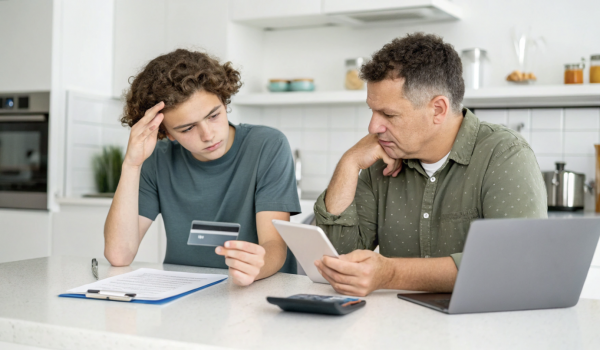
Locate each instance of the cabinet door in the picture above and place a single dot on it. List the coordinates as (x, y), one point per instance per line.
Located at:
(79, 231)
(344, 6)
(243, 10)
(24, 234)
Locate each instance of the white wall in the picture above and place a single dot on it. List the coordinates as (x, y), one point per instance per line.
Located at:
(324, 133)
(145, 29)
(82, 60)
(92, 122)
(78, 230)
(24, 234)
(570, 28)
(25, 53)
(321, 133)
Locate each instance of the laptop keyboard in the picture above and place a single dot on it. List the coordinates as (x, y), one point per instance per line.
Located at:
(445, 303)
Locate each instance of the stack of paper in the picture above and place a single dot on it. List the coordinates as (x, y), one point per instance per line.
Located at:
(151, 286)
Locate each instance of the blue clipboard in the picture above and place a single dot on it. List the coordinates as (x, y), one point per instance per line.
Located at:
(156, 302)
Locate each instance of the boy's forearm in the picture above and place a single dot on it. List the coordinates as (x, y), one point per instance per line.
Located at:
(275, 255)
(121, 230)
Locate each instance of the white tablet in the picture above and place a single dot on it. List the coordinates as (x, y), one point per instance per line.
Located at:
(308, 243)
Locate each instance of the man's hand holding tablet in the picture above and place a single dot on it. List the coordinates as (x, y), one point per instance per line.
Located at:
(357, 273)
(308, 243)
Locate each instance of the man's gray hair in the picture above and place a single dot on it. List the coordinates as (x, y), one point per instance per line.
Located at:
(429, 67)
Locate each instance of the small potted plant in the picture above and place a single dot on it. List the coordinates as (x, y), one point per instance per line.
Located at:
(107, 170)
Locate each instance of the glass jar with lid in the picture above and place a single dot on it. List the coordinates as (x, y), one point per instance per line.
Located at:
(574, 73)
(353, 80)
(595, 69)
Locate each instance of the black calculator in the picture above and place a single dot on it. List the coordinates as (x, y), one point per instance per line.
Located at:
(318, 304)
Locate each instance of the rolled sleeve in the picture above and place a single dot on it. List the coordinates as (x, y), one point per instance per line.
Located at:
(457, 257)
(355, 227)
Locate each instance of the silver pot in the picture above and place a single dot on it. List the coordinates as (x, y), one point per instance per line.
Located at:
(565, 189)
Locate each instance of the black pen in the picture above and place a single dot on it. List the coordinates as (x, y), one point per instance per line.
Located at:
(95, 268)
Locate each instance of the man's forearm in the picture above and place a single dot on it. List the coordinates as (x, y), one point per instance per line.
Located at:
(121, 230)
(342, 188)
(275, 255)
(419, 274)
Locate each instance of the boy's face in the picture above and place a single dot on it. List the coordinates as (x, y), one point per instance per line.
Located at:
(200, 125)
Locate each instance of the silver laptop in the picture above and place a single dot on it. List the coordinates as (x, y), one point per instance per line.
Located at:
(519, 264)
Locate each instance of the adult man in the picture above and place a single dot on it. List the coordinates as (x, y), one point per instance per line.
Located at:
(428, 169)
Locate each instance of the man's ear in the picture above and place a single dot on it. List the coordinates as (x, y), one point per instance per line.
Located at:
(441, 108)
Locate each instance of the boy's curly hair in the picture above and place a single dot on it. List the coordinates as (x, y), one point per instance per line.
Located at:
(173, 78)
(429, 66)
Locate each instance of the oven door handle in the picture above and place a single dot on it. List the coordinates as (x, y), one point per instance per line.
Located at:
(22, 118)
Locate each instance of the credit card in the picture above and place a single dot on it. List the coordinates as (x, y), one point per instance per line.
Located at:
(212, 234)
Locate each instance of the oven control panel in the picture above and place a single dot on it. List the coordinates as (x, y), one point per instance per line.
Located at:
(24, 102)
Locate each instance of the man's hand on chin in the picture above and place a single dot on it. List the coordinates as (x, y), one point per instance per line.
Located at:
(368, 150)
(358, 273)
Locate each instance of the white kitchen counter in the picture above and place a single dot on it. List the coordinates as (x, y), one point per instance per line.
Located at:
(229, 316)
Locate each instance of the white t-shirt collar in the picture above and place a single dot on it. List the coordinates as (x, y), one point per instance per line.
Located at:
(430, 169)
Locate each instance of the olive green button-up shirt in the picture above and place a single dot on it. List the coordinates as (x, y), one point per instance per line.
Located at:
(491, 172)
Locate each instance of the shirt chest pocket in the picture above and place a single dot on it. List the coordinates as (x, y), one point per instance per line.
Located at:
(454, 226)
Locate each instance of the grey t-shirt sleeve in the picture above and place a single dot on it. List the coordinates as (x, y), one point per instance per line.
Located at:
(276, 188)
(148, 194)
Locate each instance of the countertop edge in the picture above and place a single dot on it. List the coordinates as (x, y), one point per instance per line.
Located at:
(95, 202)
(61, 337)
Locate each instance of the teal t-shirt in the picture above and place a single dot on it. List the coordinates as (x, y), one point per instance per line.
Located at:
(256, 174)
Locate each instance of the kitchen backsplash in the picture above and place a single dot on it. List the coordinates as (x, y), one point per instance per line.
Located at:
(555, 134)
(92, 122)
(323, 133)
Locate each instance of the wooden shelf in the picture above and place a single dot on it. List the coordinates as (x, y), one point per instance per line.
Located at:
(492, 97)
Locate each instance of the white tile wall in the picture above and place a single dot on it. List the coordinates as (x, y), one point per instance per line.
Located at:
(92, 122)
(321, 133)
(556, 134)
(324, 133)
(496, 116)
(547, 119)
(547, 142)
(582, 118)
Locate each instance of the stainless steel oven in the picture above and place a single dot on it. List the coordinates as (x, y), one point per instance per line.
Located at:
(24, 150)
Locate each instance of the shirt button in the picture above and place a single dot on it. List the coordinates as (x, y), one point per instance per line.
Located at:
(432, 179)
(426, 216)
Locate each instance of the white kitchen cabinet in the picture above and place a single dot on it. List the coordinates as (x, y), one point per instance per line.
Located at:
(26, 54)
(24, 234)
(303, 13)
(145, 29)
(78, 230)
(277, 13)
(242, 10)
(400, 9)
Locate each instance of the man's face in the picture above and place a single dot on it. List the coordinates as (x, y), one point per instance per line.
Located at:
(403, 131)
(200, 125)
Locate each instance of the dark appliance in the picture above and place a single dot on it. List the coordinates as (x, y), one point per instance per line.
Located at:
(24, 150)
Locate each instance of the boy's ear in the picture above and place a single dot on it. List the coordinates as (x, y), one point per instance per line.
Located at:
(169, 136)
